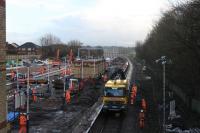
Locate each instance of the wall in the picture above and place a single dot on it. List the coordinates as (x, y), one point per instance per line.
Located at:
(2, 67)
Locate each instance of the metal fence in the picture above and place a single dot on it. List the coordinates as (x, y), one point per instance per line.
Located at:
(14, 57)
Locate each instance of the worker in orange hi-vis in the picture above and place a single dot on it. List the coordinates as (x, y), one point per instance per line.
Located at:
(22, 123)
(144, 104)
(67, 96)
(134, 89)
(34, 96)
(133, 93)
(141, 119)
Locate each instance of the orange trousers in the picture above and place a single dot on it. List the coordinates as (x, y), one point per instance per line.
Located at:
(22, 129)
(141, 123)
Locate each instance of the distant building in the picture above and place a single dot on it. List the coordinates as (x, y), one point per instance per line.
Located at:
(113, 51)
(90, 52)
(15, 45)
(11, 49)
(28, 48)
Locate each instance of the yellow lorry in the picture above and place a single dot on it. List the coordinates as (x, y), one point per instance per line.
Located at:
(115, 96)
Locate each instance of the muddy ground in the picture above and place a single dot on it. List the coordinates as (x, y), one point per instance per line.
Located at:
(50, 116)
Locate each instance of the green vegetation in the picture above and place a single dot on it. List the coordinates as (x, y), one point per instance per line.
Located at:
(177, 36)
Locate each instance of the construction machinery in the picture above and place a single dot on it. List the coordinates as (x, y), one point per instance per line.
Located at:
(115, 96)
(73, 85)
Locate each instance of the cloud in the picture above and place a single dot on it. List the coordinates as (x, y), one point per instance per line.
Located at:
(111, 21)
(124, 16)
(121, 20)
(34, 4)
(20, 38)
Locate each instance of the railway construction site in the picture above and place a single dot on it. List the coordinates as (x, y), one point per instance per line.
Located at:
(101, 102)
(90, 110)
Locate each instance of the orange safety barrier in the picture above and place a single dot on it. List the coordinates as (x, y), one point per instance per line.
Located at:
(67, 72)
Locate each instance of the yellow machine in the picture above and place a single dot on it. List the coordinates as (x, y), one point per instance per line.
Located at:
(115, 96)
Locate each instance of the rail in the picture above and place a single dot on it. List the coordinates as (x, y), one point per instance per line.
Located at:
(46, 74)
(95, 115)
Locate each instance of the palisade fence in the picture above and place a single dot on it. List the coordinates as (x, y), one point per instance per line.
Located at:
(195, 103)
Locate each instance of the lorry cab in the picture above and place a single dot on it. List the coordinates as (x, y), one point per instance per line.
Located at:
(115, 97)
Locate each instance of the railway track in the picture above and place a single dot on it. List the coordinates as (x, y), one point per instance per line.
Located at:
(108, 123)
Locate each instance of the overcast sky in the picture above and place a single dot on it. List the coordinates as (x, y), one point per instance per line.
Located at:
(93, 22)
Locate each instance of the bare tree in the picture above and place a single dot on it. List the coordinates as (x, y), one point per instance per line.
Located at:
(46, 41)
(49, 39)
(74, 45)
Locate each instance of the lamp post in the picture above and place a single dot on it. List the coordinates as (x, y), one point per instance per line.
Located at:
(27, 102)
(65, 79)
(163, 61)
(48, 76)
(82, 69)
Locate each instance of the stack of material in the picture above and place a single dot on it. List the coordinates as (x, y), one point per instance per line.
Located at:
(90, 68)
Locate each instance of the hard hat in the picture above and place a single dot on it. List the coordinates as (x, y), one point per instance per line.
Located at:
(141, 110)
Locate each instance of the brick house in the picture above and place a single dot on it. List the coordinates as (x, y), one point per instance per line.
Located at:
(28, 48)
(11, 49)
